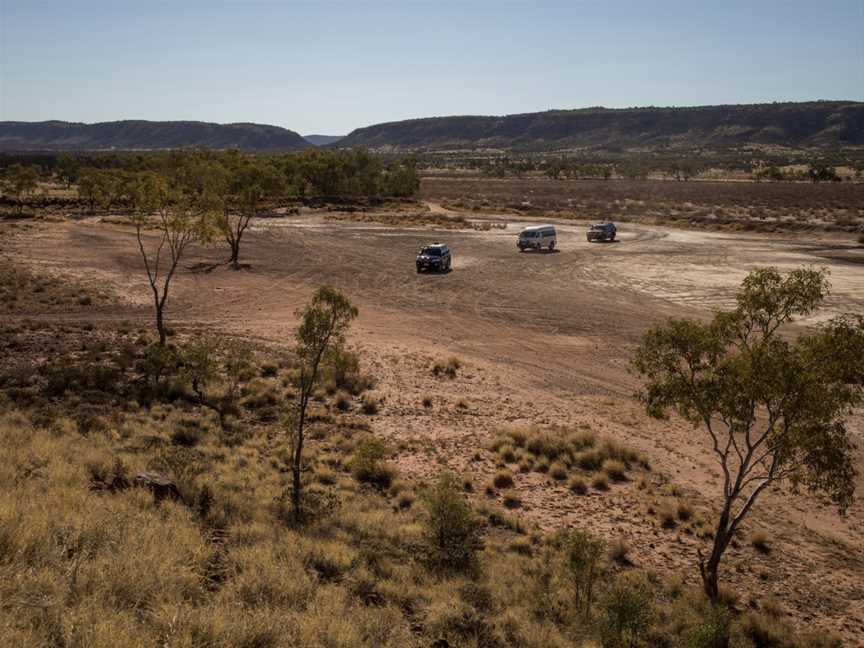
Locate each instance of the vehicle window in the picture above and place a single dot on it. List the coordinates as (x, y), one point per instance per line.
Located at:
(432, 252)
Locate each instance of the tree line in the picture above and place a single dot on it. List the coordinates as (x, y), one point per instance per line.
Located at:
(105, 180)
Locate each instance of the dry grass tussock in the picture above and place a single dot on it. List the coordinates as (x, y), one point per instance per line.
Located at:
(564, 452)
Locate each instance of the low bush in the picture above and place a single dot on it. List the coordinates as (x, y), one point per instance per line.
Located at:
(559, 450)
(615, 470)
(578, 486)
(619, 552)
(340, 370)
(583, 563)
(449, 369)
(452, 529)
(667, 516)
(370, 405)
(511, 500)
(626, 611)
(368, 464)
(759, 540)
(600, 482)
(503, 479)
(342, 401)
(188, 431)
(685, 511)
(269, 370)
(558, 471)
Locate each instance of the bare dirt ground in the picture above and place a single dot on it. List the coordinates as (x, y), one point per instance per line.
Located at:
(735, 206)
(544, 338)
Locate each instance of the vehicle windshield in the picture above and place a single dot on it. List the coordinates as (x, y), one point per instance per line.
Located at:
(528, 234)
(599, 227)
(431, 251)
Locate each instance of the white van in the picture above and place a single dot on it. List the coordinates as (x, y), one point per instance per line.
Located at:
(538, 237)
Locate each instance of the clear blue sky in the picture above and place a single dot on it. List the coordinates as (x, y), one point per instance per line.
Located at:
(328, 67)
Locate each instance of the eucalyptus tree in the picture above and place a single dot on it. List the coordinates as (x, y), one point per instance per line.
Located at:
(772, 405)
(323, 324)
(180, 213)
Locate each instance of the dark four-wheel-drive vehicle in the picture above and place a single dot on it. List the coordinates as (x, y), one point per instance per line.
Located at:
(602, 232)
(434, 257)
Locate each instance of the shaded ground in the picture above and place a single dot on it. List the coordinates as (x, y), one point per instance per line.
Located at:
(543, 338)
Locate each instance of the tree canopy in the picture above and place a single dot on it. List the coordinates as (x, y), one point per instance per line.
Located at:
(773, 404)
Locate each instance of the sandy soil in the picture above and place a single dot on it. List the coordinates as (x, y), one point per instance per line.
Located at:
(544, 338)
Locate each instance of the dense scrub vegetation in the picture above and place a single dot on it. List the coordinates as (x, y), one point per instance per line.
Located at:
(103, 179)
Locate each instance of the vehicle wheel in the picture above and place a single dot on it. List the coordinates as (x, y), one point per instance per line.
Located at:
(612, 238)
(551, 246)
(418, 269)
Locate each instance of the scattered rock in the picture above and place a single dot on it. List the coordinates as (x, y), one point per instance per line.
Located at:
(161, 486)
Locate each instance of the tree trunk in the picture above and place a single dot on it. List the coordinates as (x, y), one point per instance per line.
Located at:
(710, 570)
(297, 458)
(160, 325)
(235, 253)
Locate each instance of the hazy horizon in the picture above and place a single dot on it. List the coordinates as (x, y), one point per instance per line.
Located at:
(328, 68)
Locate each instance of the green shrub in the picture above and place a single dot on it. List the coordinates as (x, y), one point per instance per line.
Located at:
(452, 529)
(583, 562)
(712, 631)
(626, 611)
(368, 465)
(765, 632)
(340, 369)
(188, 432)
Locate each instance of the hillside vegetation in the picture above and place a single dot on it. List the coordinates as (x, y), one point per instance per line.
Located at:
(136, 134)
(91, 557)
(824, 123)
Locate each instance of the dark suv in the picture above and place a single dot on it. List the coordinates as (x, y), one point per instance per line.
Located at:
(434, 257)
(602, 232)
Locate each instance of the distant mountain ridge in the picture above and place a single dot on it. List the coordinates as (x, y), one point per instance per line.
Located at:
(145, 135)
(323, 140)
(819, 123)
(803, 124)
